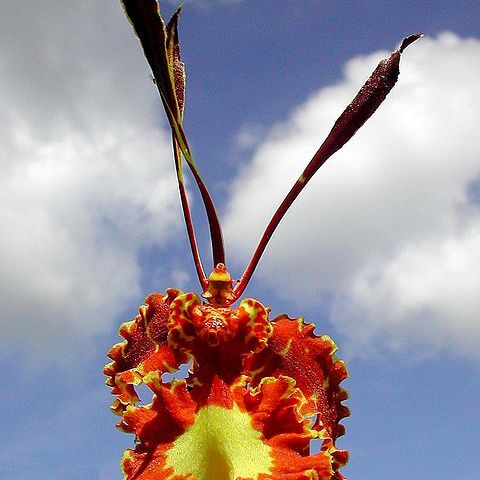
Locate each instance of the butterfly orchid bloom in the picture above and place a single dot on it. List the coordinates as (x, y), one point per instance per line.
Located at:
(258, 391)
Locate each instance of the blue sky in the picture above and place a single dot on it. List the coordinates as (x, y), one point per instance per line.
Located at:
(381, 251)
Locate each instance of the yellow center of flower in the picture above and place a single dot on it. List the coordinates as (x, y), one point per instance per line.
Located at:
(220, 445)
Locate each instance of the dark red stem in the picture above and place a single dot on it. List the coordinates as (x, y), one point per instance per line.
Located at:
(216, 234)
(188, 217)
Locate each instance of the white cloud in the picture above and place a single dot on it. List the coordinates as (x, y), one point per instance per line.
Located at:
(428, 291)
(87, 177)
(250, 135)
(386, 233)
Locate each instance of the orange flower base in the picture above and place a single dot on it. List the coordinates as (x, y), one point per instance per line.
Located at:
(257, 394)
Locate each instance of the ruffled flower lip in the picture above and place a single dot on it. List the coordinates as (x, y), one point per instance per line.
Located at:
(257, 395)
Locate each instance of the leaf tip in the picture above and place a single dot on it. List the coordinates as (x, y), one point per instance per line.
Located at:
(409, 40)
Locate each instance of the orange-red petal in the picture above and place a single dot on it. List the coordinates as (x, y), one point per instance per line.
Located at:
(246, 410)
(261, 435)
(295, 351)
(144, 349)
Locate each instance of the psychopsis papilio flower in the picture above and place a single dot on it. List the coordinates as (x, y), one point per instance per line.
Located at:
(259, 390)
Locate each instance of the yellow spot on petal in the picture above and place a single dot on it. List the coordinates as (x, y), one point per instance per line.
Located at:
(287, 348)
(220, 445)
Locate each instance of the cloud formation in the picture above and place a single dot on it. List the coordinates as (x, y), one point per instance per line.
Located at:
(387, 234)
(87, 177)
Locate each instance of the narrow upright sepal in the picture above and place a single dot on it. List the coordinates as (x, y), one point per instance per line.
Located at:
(361, 108)
(162, 51)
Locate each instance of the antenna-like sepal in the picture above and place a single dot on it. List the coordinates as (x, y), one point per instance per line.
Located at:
(162, 51)
(362, 107)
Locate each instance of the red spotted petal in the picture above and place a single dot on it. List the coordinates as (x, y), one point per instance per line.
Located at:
(218, 338)
(295, 351)
(144, 349)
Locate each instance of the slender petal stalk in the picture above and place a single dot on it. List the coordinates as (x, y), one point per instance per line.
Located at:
(187, 216)
(362, 107)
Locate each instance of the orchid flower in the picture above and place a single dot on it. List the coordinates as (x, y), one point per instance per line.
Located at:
(258, 391)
